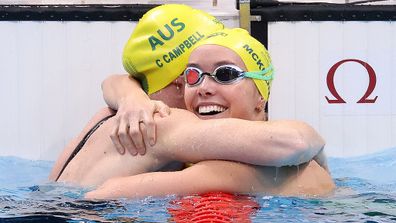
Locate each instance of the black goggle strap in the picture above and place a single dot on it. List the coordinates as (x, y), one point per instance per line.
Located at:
(266, 74)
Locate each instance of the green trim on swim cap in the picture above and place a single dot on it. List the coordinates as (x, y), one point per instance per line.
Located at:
(130, 68)
(143, 82)
(261, 75)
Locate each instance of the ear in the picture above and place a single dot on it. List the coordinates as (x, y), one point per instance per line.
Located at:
(260, 104)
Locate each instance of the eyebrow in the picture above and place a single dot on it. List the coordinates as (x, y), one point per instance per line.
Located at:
(192, 65)
(219, 63)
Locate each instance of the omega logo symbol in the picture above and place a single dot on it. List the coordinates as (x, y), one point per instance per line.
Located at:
(338, 99)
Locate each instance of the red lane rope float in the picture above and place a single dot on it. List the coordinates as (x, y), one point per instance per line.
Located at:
(215, 207)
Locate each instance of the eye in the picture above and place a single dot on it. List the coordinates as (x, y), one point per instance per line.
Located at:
(192, 76)
(227, 74)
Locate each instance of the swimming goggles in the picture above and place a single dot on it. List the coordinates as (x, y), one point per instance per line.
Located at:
(224, 74)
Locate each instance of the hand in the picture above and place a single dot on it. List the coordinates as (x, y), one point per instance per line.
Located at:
(108, 190)
(119, 187)
(135, 127)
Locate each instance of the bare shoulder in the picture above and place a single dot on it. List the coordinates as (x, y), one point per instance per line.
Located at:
(70, 147)
(99, 115)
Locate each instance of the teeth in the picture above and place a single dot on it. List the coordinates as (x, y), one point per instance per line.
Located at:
(210, 108)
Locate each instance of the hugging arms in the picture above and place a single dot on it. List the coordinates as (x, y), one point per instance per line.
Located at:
(181, 137)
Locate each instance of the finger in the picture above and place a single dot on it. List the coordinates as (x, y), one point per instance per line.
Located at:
(162, 108)
(149, 130)
(90, 195)
(116, 141)
(98, 194)
(136, 138)
(125, 139)
(143, 130)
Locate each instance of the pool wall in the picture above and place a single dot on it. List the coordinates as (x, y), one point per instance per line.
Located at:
(334, 69)
(54, 58)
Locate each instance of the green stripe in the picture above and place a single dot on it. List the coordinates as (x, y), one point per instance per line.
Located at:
(266, 74)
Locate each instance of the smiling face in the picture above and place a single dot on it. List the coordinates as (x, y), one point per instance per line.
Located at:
(210, 99)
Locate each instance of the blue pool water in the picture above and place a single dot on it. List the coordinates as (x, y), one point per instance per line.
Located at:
(366, 193)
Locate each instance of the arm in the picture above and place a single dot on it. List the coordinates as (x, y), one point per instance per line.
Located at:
(224, 176)
(218, 176)
(134, 108)
(272, 143)
(119, 89)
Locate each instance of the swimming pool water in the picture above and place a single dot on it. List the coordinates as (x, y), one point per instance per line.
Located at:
(366, 192)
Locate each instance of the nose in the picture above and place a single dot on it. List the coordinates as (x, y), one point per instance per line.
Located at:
(207, 87)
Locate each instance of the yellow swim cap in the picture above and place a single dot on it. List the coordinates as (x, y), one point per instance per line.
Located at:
(157, 51)
(252, 52)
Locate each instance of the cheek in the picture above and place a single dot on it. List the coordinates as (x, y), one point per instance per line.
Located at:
(241, 92)
(246, 95)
